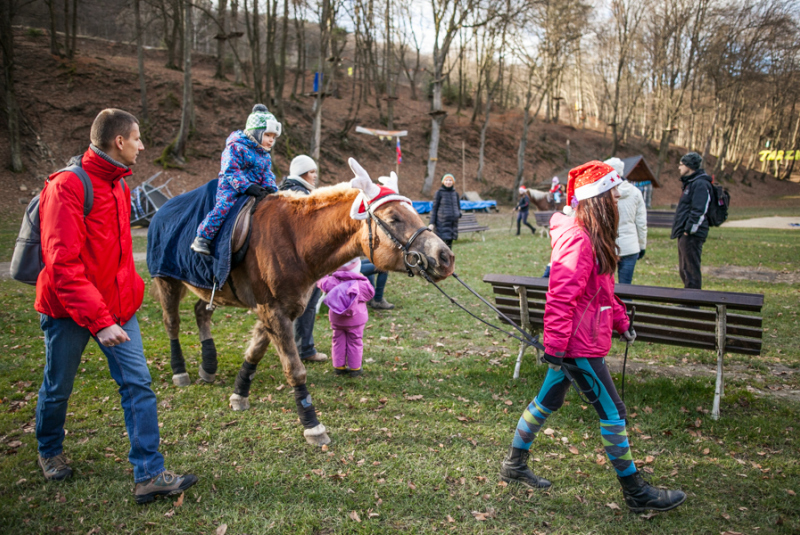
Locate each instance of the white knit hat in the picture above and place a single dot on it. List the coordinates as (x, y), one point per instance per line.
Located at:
(301, 165)
(618, 165)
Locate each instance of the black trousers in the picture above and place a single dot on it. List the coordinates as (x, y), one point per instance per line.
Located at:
(690, 249)
(522, 217)
(304, 327)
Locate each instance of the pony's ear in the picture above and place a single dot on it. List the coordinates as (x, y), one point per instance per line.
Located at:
(390, 182)
(362, 180)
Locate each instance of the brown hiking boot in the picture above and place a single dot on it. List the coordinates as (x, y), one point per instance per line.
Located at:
(316, 357)
(165, 484)
(55, 468)
(383, 304)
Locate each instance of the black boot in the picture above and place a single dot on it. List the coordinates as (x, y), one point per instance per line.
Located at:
(640, 496)
(201, 245)
(515, 468)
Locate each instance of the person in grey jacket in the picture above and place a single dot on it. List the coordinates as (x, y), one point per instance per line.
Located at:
(691, 219)
(446, 211)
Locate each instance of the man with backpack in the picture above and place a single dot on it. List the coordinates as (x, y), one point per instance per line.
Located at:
(691, 218)
(89, 288)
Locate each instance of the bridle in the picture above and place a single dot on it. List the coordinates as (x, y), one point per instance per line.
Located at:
(413, 260)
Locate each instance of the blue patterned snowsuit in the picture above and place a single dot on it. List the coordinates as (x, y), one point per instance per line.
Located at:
(244, 162)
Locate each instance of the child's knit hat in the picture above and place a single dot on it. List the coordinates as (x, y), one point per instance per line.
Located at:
(260, 121)
(590, 180)
(448, 175)
(354, 265)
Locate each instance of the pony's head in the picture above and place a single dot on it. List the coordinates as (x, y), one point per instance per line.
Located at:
(392, 223)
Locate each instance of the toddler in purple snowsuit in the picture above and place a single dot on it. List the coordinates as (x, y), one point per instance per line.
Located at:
(246, 169)
(347, 294)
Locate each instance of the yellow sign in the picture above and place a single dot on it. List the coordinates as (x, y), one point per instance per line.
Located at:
(779, 155)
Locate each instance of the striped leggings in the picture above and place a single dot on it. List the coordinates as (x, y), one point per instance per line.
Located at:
(600, 391)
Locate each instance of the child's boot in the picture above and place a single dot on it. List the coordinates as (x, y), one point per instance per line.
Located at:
(515, 468)
(340, 371)
(201, 245)
(640, 496)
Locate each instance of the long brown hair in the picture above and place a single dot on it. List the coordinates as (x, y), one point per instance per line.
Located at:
(599, 217)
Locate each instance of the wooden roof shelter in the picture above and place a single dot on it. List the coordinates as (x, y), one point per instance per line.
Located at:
(636, 170)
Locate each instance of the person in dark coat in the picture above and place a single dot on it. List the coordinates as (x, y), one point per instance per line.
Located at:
(303, 179)
(522, 209)
(446, 211)
(691, 219)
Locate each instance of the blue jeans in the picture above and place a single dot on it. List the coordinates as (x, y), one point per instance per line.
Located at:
(625, 267)
(64, 342)
(369, 270)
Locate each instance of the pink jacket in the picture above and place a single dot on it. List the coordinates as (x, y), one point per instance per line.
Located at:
(581, 307)
(348, 293)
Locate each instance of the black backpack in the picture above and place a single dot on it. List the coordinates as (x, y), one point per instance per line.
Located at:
(26, 263)
(718, 208)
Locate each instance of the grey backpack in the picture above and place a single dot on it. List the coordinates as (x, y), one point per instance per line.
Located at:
(26, 263)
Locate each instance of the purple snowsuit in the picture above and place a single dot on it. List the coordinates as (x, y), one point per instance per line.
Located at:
(244, 163)
(347, 295)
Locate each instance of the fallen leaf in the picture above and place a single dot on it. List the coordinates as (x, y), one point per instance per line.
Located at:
(573, 450)
(648, 516)
(790, 492)
(280, 387)
(179, 501)
(324, 447)
(600, 459)
(318, 471)
(354, 516)
(613, 506)
(222, 529)
(706, 451)
(648, 410)
(730, 533)
(363, 400)
(649, 459)
(508, 402)
(412, 486)
(14, 444)
(169, 513)
(450, 519)
(502, 484)
(549, 432)
(414, 398)
(698, 422)
(726, 516)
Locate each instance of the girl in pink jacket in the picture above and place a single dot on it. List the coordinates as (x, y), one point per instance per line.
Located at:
(347, 294)
(580, 316)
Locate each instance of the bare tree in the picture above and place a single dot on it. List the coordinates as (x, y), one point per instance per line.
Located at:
(221, 37)
(8, 11)
(140, 59)
(187, 111)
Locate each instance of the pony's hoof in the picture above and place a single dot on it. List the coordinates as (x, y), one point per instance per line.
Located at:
(181, 379)
(206, 377)
(317, 436)
(239, 403)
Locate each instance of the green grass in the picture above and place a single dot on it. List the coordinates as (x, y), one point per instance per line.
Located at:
(418, 463)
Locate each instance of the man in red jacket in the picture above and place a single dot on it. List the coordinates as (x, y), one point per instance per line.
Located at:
(89, 288)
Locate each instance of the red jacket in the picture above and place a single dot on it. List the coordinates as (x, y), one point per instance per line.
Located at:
(89, 274)
(581, 307)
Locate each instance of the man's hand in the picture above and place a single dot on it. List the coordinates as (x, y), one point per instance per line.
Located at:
(641, 254)
(112, 335)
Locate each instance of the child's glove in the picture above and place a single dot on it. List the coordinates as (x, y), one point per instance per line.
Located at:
(641, 254)
(254, 190)
(628, 336)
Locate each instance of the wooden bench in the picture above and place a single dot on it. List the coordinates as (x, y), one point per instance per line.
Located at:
(663, 316)
(469, 223)
(660, 218)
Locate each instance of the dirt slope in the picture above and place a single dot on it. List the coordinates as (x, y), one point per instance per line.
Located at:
(60, 99)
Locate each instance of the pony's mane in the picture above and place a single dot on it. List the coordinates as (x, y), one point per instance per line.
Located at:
(320, 197)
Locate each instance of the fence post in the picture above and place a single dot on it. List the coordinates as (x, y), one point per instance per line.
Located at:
(719, 390)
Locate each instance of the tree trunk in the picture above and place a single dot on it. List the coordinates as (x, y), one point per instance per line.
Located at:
(74, 46)
(9, 91)
(436, 120)
(140, 58)
(255, 49)
(51, 11)
(234, 42)
(298, 70)
(67, 40)
(280, 75)
(484, 128)
(222, 10)
(325, 27)
(179, 149)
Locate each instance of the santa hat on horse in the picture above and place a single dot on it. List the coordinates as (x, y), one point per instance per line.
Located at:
(372, 196)
(590, 180)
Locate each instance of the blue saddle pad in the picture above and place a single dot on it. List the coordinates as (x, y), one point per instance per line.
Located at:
(174, 227)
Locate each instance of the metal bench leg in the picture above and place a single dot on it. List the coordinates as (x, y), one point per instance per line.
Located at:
(719, 390)
(525, 324)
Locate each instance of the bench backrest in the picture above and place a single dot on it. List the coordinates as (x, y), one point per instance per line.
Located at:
(660, 218)
(660, 318)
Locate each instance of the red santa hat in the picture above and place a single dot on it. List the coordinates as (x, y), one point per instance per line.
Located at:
(590, 180)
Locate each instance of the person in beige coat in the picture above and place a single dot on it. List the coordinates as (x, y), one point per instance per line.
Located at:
(632, 229)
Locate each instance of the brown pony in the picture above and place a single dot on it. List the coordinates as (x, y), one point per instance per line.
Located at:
(295, 241)
(543, 200)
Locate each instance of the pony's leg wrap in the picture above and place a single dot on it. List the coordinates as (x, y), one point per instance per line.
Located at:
(178, 364)
(242, 385)
(209, 353)
(305, 407)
